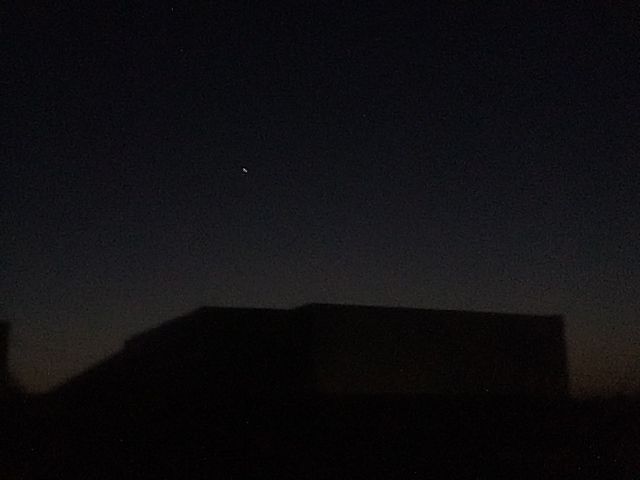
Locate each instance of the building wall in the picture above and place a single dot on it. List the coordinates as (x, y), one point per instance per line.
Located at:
(366, 350)
(224, 351)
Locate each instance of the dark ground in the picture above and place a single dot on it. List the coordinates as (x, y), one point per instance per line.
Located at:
(357, 437)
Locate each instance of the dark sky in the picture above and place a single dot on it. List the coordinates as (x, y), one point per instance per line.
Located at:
(429, 155)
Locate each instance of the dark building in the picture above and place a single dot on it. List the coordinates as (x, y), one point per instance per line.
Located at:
(342, 349)
(364, 350)
(319, 391)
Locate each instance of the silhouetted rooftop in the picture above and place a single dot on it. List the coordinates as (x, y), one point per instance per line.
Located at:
(387, 308)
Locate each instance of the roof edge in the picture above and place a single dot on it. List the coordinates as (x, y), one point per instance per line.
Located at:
(425, 310)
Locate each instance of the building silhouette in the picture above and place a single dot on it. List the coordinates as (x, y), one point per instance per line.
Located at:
(329, 391)
(321, 349)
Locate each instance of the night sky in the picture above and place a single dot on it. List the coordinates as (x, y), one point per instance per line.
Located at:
(160, 156)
